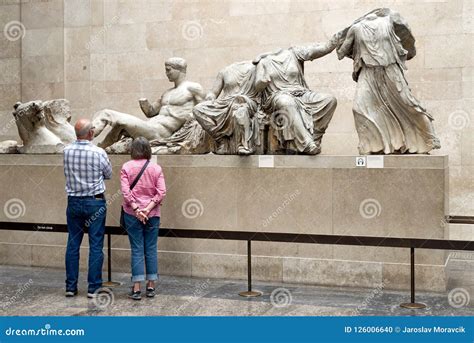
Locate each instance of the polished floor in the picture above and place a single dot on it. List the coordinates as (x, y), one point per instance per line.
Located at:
(29, 291)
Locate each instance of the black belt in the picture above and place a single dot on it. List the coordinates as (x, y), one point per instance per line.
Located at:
(97, 196)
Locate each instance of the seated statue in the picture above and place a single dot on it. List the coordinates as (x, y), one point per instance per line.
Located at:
(388, 118)
(43, 126)
(298, 116)
(169, 117)
(229, 113)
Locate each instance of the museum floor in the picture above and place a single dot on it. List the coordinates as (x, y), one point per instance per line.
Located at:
(38, 292)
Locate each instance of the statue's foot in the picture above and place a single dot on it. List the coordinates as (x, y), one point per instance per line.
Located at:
(243, 151)
(312, 149)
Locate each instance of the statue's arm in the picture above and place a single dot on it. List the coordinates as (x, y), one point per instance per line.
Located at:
(150, 110)
(346, 46)
(318, 50)
(216, 88)
(261, 77)
(197, 91)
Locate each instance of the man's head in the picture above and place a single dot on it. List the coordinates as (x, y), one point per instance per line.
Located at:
(84, 129)
(175, 66)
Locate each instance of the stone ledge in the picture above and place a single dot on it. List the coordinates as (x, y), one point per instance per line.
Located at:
(232, 161)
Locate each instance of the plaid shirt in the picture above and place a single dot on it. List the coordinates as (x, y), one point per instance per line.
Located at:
(85, 167)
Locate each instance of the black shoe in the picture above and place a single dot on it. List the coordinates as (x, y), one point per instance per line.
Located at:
(70, 294)
(150, 292)
(135, 295)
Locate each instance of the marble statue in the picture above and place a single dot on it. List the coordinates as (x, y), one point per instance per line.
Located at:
(298, 116)
(229, 113)
(171, 127)
(43, 126)
(388, 118)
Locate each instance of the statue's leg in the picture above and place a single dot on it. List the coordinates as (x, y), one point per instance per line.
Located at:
(109, 135)
(322, 108)
(133, 126)
(243, 130)
(294, 128)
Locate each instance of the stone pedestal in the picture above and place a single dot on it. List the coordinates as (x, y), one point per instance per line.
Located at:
(408, 197)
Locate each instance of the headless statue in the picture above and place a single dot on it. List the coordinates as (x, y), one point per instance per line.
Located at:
(43, 126)
(299, 116)
(229, 112)
(388, 118)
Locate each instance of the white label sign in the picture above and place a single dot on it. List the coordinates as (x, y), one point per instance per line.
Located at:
(375, 161)
(266, 161)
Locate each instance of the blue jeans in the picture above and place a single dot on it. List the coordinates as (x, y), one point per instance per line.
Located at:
(85, 212)
(143, 243)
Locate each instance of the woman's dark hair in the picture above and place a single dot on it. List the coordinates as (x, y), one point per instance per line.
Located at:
(140, 149)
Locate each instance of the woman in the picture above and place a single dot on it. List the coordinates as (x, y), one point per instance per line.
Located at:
(229, 112)
(143, 188)
(300, 114)
(388, 118)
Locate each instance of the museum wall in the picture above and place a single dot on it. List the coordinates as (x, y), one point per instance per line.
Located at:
(10, 67)
(108, 54)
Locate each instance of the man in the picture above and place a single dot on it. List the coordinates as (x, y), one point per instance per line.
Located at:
(85, 167)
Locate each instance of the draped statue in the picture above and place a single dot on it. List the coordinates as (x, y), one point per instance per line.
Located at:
(298, 115)
(388, 118)
(229, 113)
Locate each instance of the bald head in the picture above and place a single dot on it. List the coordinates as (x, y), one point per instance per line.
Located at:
(83, 129)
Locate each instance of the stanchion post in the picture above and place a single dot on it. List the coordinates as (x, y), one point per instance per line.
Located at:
(412, 304)
(249, 293)
(109, 282)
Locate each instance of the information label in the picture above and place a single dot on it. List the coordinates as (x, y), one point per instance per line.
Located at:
(266, 161)
(375, 161)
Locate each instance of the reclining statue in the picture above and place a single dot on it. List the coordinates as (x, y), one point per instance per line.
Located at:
(229, 113)
(171, 128)
(43, 126)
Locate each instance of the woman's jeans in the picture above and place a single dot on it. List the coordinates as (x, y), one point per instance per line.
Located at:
(143, 243)
(84, 212)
